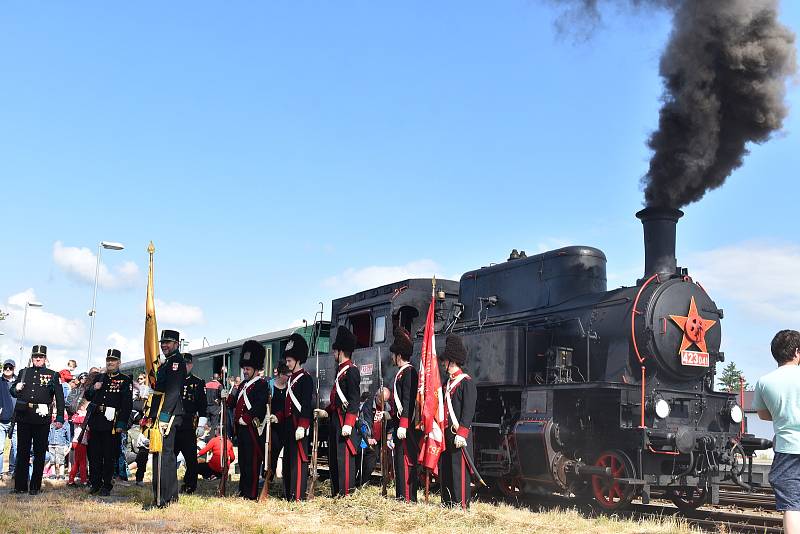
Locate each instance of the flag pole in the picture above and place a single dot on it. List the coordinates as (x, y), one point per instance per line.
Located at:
(428, 471)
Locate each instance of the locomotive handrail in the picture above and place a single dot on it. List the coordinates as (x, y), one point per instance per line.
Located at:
(634, 312)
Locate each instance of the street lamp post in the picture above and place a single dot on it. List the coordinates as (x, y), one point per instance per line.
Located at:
(108, 245)
(28, 304)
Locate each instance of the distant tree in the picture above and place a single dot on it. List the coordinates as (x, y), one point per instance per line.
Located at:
(728, 380)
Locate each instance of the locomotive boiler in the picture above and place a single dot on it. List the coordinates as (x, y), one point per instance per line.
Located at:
(581, 390)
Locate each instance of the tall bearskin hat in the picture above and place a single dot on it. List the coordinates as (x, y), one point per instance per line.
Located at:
(454, 350)
(253, 354)
(345, 340)
(402, 343)
(296, 348)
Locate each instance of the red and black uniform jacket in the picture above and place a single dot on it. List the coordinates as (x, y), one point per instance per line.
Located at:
(257, 394)
(301, 386)
(350, 384)
(462, 397)
(406, 382)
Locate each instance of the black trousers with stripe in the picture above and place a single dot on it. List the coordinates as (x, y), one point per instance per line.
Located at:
(455, 474)
(341, 460)
(251, 458)
(186, 443)
(406, 452)
(295, 470)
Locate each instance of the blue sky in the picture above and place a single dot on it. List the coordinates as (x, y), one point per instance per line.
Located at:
(285, 153)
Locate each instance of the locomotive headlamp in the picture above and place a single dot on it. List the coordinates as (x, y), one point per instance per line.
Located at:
(736, 414)
(661, 408)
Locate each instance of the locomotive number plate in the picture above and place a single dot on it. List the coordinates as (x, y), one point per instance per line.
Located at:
(694, 358)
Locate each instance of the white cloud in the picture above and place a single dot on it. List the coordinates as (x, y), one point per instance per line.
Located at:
(353, 279)
(759, 276)
(42, 327)
(80, 264)
(131, 348)
(177, 314)
(297, 323)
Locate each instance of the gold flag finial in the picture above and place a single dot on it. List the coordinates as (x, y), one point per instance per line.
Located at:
(151, 248)
(433, 285)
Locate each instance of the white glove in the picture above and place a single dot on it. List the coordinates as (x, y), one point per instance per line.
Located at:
(109, 412)
(42, 409)
(346, 430)
(163, 427)
(273, 418)
(386, 415)
(390, 443)
(20, 386)
(300, 433)
(401, 433)
(242, 421)
(322, 414)
(460, 442)
(201, 422)
(223, 394)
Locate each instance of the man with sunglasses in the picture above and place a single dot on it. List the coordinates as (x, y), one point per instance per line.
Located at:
(35, 389)
(6, 416)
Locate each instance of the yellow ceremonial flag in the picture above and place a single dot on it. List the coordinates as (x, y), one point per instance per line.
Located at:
(150, 329)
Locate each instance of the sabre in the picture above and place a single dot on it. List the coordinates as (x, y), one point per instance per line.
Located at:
(471, 466)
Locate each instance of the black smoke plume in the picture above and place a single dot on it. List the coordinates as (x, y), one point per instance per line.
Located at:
(725, 69)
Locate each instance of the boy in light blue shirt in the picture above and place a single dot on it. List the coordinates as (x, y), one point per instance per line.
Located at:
(777, 399)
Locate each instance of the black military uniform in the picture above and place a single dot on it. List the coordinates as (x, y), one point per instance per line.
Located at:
(279, 433)
(460, 396)
(35, 388)
(194, 400)
(169, 383)
(109, 412)
(404, 399)
(297, 412)
(343, 411)
(249, 401)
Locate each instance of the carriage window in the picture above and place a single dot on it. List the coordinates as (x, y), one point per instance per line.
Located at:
(361, 325)
(379, 332)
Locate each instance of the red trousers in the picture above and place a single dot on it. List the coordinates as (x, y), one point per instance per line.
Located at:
(80, 462)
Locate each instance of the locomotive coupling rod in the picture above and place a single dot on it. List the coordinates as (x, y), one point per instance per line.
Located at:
(585, 470)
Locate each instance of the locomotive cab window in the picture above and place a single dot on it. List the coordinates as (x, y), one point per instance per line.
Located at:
(361, 326)
(379, 332)
(405, 318)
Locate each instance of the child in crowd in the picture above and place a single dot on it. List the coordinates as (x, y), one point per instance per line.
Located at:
(79, 447)
(58, 447)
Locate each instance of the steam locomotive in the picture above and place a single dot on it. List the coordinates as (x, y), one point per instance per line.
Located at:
(581, 390)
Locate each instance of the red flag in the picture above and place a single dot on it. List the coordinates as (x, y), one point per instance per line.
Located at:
(429, 398)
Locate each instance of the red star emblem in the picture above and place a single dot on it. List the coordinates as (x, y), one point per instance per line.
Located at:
(694, 328)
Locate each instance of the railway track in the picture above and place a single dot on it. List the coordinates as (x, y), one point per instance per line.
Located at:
(707, 519)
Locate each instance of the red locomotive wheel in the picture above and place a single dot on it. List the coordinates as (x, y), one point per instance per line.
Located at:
(688, 499)
(609, 493)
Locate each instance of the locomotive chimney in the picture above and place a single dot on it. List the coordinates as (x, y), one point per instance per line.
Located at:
(659, 240)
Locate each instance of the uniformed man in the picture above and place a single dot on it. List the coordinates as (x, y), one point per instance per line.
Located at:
(298, 411)
(279, 433)
(35, 388)
(169, 384)
(195, 415)
(249, 402)
(111, 400)
(404, 398)
(460, 396)
(343, 410)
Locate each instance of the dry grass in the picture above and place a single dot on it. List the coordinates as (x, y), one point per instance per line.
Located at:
(61, 509)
